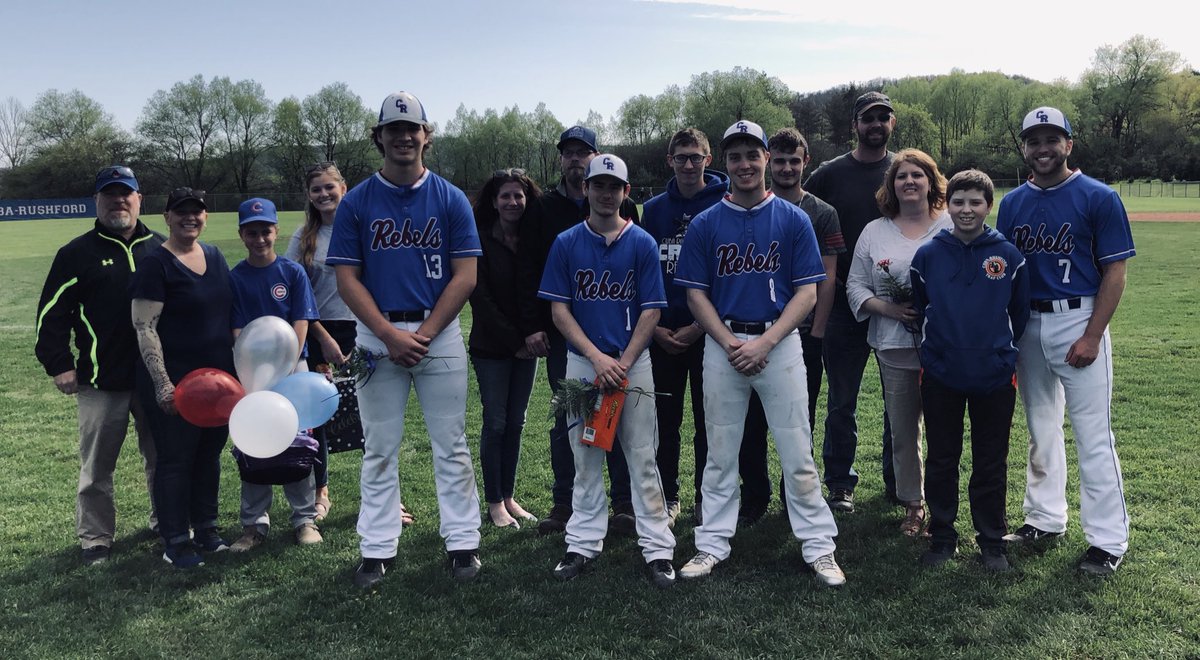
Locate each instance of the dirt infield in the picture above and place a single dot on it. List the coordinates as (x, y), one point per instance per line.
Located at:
(1164, 217)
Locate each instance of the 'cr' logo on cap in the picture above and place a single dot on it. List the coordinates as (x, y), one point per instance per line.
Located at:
(741, 125)
(1042, 116)
(256, 207)
(608, 164)
(402, 106)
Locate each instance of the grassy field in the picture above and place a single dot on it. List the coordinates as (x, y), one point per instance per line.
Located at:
(284, 600)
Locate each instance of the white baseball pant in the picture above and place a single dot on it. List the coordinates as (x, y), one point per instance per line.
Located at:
(441, 384)
(784, 393)
(1047, 384)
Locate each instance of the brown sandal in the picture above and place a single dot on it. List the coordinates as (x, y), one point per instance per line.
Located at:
(914, 520)
(324, 504)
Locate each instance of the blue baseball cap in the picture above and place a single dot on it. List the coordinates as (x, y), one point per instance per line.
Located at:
(257, 209)
(115, 174)
(581, 133)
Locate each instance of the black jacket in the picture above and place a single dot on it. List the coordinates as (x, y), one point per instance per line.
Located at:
(494, 308)
(87, 291)
(556, 213)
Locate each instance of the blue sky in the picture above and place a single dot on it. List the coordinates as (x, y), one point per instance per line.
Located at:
(574, 55)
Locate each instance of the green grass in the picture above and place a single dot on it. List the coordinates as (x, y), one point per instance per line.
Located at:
(284, 600)
(1135, 204)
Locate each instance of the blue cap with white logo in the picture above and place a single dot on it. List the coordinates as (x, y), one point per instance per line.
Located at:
(581, 133)
(607, 165)
(744, 129)
(257, 209)
(1045, 116)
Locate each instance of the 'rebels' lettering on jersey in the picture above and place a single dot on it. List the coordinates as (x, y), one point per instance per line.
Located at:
(730, 260)
(1028, 242)
(588, 288)
(385, 236)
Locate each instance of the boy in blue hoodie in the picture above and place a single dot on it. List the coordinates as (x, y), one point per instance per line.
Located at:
(973, 289)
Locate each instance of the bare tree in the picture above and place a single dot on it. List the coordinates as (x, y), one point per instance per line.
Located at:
(16, 139)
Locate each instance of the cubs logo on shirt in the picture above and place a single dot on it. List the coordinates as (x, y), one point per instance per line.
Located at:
(279, 291)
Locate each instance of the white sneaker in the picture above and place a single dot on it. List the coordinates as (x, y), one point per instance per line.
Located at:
(828, 571)
(699, 566)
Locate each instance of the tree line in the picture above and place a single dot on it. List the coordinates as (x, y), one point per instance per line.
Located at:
(1135, 112)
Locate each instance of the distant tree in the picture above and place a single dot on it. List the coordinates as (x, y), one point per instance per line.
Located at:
(292, 149)
(183, 126)
(605, 134)
(915, 129)
(339, 125)
(244, 113)
(58, 117)
(543, 163)
(716, 99)
(16, 138)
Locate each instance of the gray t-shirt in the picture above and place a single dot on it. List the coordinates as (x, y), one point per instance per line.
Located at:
(323, 278)
(829, 236)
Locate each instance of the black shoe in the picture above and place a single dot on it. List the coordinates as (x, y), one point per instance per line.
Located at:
(995, 560)
(370, 572)
(97, 554)
(622, 521)
(571, 566)
(464, 564)
(1098, 562)
(1030, 534)
(750, 514)
(182, 555)
(938, 554)
(841, 500)
(209, 540)
(556, 522)
(662, 573)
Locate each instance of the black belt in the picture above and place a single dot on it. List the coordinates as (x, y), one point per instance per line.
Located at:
(616, 355)
(406, 317)
(747, 328)
(1047, 306)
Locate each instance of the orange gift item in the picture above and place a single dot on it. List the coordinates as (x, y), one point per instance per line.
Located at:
(600, 425)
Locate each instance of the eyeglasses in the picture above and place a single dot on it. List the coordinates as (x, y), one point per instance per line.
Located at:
(576, 153)
(877, 117)
(509, 173)
(694, 159)
(321, 166)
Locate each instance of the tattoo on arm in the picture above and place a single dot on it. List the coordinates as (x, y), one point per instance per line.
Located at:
(145, 325)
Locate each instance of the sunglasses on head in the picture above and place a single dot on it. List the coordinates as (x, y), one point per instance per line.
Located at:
(115, 172)
(511, 172)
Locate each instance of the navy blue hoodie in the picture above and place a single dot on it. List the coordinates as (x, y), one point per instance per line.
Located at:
(667, 216)
(975, 301)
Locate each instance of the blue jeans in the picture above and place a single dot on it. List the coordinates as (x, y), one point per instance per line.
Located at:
(845, 350)
(504, 389)
(562, 460)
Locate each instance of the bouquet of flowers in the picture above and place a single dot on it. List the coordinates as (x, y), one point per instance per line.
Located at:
(900, 292)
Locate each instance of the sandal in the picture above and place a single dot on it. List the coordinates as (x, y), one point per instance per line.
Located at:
(324, 504)
(914, 520)
(406, 518)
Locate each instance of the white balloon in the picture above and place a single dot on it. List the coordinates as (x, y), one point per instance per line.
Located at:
(265, 352)
(263, 424)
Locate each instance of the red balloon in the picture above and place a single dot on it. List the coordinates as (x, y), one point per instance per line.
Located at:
(206, 397)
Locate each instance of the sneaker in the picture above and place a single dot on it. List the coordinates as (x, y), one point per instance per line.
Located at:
(250, 539)
(937, 554)
(672, 512)
(464, 564)
(622, 521)
(556, 522)
(97, 554)
(841, 500)
(662, 573)
(308, 534)
(827, 570)
(571, 566)
(182, 555)
(699, 566)
(1098, 562)
(370, 572)
(209, 540)
(750, 514)
(1030, 534)
(995, 560)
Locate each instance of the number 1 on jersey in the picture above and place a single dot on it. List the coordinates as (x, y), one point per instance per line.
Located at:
(628, 325)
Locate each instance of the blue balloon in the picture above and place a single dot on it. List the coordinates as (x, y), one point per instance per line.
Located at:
(314, 396)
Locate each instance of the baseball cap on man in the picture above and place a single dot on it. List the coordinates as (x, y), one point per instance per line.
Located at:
(402, 106)
(257, 209)
(747, 129)
(607, 165)
(115, 174)
(181, 195)
(870, 100)
(1045, 116)
(581, 133)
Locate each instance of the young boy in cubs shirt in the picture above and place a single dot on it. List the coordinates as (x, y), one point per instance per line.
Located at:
(265, 284)
(606, 294)
(972, 287)
(751, 264)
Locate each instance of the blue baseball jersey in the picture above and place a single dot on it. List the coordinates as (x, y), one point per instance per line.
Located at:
(280, 289)
(750, 260)
(606, 286)
(404, 238)
(1066, 233)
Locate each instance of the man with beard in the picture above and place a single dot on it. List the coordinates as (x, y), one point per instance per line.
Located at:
(86, 292)
(1075, 236)
(848, 184)
(564, 207)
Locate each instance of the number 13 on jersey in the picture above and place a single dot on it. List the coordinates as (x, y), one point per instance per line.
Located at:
(433, 266)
